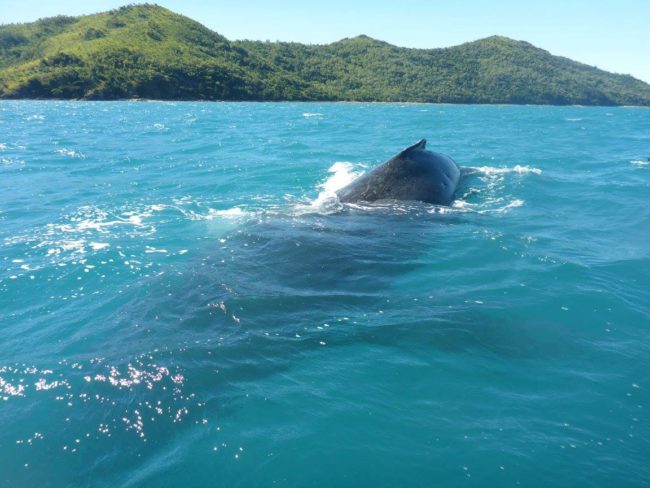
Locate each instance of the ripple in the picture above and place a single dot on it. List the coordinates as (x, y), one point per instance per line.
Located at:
(190, 304)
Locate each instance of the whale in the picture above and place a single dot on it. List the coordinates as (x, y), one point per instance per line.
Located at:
(413, 174)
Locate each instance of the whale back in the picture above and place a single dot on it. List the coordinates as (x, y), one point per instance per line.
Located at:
(413, 174)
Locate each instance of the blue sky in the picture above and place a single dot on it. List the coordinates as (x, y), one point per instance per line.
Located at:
(611, 34)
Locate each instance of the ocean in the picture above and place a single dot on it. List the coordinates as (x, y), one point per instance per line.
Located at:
(183, 302)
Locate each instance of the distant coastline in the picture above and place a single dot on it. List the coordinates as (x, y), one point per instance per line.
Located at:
(149, 52)
(308, 102)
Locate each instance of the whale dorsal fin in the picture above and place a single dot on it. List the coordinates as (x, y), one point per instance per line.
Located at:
(421, 144)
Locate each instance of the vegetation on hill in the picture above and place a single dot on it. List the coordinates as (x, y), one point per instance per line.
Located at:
(146, 51)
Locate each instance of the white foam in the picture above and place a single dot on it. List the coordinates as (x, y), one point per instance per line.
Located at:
(151, 249)
(491, 206)
(514, 204)
(71, 153)
(639, 162)
(231, 213)
(135, 219)
(98, 246)
(519, 169)
(3, 146)
(11, 162)
(73, 246)
(98, 219)
(196, 210)
(89, 228)
(462, 205)
(312, 114)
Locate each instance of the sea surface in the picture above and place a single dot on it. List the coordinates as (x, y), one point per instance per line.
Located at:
(183, 302)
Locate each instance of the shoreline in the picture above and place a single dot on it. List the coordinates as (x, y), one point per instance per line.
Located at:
(347, 102)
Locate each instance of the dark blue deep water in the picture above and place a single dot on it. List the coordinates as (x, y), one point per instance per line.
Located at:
(183, 303)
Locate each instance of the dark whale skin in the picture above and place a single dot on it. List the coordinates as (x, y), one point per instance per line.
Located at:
(413, 174)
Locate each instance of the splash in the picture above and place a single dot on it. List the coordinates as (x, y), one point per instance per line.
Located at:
(342, 173)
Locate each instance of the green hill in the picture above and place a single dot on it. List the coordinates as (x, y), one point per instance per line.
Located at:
(146, 51)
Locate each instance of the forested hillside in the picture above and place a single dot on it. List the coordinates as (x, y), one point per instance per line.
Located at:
(146, 51)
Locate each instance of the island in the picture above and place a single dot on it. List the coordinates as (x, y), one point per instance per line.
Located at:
(146, 51)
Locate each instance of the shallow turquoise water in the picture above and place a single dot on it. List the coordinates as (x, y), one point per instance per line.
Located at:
(182, 303)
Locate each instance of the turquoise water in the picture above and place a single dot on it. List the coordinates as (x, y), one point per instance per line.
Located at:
(184, 303)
